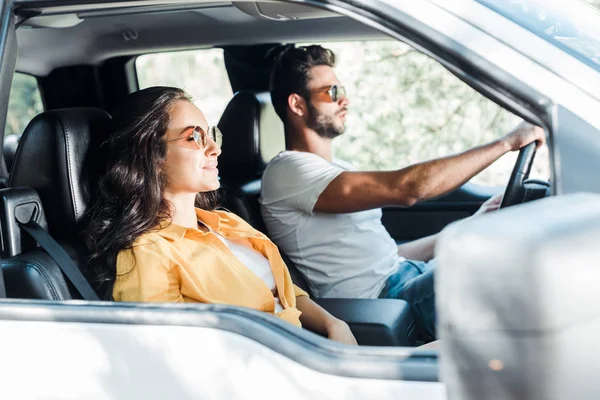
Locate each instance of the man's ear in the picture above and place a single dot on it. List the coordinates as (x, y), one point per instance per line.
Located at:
(297, 104)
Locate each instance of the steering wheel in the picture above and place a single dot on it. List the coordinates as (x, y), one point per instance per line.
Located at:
(516, 192)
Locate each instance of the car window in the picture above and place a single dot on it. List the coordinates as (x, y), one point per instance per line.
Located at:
(25, 102)
(407, 108)
(201, 73)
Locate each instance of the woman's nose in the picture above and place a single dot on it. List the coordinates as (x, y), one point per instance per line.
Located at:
(212, 148)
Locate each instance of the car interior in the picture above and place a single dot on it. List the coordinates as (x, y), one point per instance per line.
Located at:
(83, 58)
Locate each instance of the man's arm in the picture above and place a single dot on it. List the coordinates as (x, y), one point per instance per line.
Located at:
(420, 249)
(359, 191)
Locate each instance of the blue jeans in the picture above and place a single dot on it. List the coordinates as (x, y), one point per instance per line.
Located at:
(413, 283)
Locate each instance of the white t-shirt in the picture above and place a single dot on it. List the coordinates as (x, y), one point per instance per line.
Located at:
(340, 255)
(255, 262)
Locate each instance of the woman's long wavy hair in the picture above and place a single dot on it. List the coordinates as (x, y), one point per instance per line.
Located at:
(129, 198)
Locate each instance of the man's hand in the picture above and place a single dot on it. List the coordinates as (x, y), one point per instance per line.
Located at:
(522, 135)
(492, 204)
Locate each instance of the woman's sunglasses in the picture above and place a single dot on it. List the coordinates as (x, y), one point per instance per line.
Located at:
(201, 137)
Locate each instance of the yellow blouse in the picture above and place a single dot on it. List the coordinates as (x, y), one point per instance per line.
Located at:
(178, 264)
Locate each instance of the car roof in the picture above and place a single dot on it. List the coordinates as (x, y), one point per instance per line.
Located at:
(59, 35)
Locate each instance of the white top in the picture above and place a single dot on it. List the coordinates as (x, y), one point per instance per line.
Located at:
(255, 262)
(341, 255)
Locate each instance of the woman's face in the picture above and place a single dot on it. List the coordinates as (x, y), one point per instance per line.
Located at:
(189, 167)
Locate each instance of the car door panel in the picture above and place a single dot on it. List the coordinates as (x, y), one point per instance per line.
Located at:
(157, 351)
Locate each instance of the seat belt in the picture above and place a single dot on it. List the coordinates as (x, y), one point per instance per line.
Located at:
(60, 256)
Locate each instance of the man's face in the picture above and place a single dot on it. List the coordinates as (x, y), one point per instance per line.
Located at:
(326, 117)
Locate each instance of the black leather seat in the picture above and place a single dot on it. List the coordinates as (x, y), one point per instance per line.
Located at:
(58, 156)
(9, 150)
(253, 135)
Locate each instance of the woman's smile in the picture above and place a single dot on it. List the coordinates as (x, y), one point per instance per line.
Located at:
(211, 166)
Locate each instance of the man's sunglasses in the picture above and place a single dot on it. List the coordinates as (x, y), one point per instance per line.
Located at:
(336, 92)
(201, 137)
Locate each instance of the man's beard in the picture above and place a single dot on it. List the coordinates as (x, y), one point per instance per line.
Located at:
(324, 125)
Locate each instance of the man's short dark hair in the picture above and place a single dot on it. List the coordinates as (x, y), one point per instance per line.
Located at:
(291, 74)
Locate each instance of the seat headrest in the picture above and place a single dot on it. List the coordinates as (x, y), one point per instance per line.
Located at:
(252, 135)
(58, 156)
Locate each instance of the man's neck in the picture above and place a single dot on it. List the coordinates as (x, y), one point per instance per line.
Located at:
(309, 141)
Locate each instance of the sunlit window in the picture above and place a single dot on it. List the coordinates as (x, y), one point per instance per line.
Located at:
(201, 73)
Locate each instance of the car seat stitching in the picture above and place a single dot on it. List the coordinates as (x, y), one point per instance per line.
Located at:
(69, 169)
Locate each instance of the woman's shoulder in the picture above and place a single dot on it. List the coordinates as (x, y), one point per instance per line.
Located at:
(148, 242)
(148, 248)
(153, 237)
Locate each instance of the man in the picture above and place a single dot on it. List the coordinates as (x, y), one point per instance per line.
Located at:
(327, 217)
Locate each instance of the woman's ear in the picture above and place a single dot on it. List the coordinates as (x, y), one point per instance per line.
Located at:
(297, 104)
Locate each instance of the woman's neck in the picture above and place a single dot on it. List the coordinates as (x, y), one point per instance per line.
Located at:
(183, 212)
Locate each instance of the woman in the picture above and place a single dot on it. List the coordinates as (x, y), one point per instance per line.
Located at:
(149, 242)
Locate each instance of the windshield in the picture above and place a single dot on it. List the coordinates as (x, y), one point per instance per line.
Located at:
(569, 24)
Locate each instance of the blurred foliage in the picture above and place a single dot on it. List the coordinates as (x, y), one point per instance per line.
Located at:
(24, 103)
